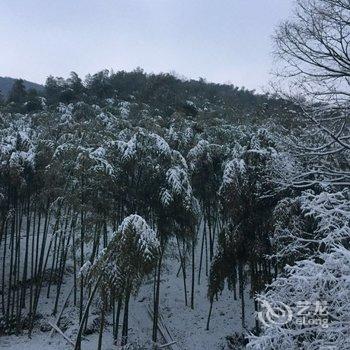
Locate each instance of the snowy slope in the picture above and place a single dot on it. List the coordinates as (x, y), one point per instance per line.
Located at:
(186, 326)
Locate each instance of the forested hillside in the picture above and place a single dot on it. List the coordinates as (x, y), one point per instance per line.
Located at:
(6, 84)
(142, 211)
(161, 94)
(149, 157)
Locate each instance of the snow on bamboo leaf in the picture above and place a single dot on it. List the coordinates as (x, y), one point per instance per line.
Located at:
(179, 184)
(198, 151)
(161, 145)
(233, 168)
(119, 270)
(128, 149)
(130, 254)
(145, 238)
(166, 197)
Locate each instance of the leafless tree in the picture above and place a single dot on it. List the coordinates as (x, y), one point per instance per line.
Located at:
(313, 49)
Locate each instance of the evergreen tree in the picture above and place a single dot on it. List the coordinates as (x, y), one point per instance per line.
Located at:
(18, 92)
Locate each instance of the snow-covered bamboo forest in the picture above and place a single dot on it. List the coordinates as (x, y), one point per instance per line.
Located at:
(148, 211)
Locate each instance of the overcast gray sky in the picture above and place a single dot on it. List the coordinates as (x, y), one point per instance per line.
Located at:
(220, 40)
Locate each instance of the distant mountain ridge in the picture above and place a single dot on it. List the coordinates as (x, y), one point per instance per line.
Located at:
(7, 82)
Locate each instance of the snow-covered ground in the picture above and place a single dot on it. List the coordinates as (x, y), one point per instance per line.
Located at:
(187, 326)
